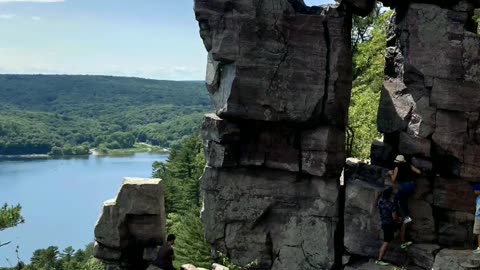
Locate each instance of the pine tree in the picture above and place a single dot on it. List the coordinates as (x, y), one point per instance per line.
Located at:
(10, 216)
(190, 245)
(181, 175)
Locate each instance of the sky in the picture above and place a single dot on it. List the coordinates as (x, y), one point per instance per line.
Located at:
(155, 39)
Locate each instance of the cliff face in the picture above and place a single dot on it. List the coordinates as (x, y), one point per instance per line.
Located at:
(434, 81)
(279, 74)
(429, 112)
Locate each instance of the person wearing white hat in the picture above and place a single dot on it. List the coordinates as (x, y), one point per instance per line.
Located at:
(402, 174)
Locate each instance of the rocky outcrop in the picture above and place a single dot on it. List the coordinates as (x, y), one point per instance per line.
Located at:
(456, 260)
(131, 224)
(429, 113)
(430, 106)
(279, 75)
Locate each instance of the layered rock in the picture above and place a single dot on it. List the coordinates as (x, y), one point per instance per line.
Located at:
(430, 106)
(429, 112)
(279, 74)
(131, 224)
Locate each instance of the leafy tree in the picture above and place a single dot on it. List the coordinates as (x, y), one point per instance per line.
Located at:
(369, 62)
(38, 112)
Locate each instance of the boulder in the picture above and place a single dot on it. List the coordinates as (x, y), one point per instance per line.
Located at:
(448, 259)
(189, 267)
(217, 266)
(413, 145)
(131, 222)
(395, 107)
(423, 255)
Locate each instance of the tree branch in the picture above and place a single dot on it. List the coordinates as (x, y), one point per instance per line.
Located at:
(4, 244)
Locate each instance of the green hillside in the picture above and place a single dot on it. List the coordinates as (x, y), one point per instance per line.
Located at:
(69, 114)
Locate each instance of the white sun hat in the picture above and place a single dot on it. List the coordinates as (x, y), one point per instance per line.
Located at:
(400, 158)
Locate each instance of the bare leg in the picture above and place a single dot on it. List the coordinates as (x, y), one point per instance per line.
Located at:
(403, 232)
(383, 250)
(478, 239)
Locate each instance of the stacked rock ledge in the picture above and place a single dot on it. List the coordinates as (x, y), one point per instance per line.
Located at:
(132, 224)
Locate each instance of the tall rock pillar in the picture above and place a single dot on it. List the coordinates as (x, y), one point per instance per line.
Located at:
(279, 75)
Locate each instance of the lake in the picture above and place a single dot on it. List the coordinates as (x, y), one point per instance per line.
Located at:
(62, 199)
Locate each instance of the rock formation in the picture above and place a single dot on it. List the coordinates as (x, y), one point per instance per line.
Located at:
(131, 224)
(429, 112)
(279, 74)
(430, 108)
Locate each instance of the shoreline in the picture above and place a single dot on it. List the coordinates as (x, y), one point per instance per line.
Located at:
(93, 153)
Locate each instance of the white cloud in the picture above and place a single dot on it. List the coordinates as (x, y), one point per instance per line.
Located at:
(32, 1)
(7, 16)
(36, 18)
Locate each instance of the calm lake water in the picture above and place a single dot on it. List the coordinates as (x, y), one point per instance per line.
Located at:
(62, 199)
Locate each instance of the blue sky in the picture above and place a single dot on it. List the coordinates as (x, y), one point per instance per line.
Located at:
(144, 38)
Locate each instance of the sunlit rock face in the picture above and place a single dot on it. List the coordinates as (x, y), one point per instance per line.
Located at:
(276, 60)
(131, 224)
(279, 75)
(429, 112)
(431, 100)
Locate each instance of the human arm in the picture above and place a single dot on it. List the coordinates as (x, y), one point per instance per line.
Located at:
(415, 169)
(394, 175)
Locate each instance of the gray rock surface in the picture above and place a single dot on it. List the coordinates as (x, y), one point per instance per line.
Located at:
(131, 222)
(448, 259)
(279, 75)
(285, 60)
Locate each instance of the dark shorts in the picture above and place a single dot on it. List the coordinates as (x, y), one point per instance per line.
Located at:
(389, 232)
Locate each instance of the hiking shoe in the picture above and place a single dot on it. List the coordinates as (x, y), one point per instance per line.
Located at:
(477, 251)
(406, 244)
(407, 220)
(382, 263)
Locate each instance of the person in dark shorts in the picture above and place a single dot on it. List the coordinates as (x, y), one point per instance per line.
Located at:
(402, 175)
(166, 255)
(388, 217)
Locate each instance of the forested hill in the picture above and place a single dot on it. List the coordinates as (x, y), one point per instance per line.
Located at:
(69, 114)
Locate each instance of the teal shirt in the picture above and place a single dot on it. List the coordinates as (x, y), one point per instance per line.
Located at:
(477, 212)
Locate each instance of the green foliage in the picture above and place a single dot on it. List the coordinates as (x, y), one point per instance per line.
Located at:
(40, 112)
(190, 245)
(369, 62)
(52, 258)
(10, 216)
(181, 175)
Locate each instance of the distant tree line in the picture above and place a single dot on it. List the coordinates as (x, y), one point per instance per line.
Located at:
(52, 258)
(66, 115)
